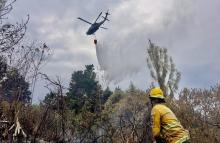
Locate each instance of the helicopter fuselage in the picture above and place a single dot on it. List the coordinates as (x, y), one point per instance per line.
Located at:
(93, 28)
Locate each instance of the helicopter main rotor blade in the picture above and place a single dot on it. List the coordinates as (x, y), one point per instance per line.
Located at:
(104, 28)
(98, 17)
(84, 20)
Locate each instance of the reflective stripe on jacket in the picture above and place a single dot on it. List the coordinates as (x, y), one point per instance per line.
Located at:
(166, 125)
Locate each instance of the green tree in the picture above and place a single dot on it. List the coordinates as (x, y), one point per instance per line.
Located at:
(13, 85)
(105, 95)
(84, 90)
(162, 69)
(49, 97)
(117, 95)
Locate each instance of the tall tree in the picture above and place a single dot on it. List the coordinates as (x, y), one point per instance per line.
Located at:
(105, 95)
(84, 90)
(162, 69)
(13, 85)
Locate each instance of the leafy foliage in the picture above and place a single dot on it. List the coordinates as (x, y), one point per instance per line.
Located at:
(199, 111)
(105, 95)
(13, 85)
(85, 91)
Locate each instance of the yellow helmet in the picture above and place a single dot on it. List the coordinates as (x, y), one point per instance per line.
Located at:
(156, 93)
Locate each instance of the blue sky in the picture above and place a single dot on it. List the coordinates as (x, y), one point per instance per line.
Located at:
(189, 29)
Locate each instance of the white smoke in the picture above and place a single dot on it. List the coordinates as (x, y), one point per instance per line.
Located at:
(111, 60)
(125, 53)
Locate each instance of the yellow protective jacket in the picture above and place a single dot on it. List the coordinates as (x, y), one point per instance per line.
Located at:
(166, 125)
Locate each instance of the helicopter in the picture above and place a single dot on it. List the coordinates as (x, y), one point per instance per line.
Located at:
(96, 25)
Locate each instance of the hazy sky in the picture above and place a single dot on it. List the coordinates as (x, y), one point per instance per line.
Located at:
(189, 29)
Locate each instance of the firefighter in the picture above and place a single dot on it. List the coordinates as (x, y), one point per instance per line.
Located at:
(166, 127)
